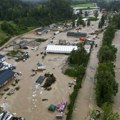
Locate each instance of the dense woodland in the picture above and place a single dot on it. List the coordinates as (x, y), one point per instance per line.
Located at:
(29, 14)
(109, 6)
(106, 86)
(17, 16)
(77, 62)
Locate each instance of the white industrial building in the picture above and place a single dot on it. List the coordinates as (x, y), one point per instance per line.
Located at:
(60, 49)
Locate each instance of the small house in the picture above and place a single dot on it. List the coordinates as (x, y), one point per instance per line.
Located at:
(2, 58)
(52, 26)
(62, 42)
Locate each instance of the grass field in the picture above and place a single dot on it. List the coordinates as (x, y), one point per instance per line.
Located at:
(84, 5)
(3, 36)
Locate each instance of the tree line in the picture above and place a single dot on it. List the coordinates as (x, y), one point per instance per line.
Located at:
(17, 17)
(77, 62)
(25, 14)
(106, 86)
(109, 6)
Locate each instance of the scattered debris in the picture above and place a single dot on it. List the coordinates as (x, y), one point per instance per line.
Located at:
(49, 81)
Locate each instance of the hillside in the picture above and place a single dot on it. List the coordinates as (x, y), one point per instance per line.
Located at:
(19, 16)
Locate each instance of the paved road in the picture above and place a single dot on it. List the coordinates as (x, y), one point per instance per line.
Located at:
(86, 97)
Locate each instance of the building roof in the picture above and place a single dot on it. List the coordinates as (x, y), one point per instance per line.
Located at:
(1, 56)
(60, 49)
(5, 75)
(6, 116)
(77, 34)
(85, 19)
(40, 79)
(89, 42)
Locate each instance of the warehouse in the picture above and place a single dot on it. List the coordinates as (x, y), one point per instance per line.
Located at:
(76, 34)
(5, 76)
(60, 49)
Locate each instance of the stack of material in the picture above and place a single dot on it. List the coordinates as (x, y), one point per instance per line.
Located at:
(59, 116)
(61, 106)
(33, 44)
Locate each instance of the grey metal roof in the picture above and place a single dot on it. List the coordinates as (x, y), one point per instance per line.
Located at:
(5, 75)
(1, 56)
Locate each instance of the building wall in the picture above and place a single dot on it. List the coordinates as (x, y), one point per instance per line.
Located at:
(10, 79)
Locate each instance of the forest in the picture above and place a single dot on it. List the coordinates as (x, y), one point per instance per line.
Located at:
(109, 6)
(17, 17)
(28, 14)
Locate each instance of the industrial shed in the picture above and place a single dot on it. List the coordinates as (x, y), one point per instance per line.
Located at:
(5, 76)
(60, 49)
(77, 34)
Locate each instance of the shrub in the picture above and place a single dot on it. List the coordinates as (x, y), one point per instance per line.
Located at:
(40, 40)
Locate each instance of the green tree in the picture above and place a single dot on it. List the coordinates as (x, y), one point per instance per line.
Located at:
(75, 56)
(106, 87)
(9, 28)
(109, 35)
(88, 22)
(107, 53)
(103, 20)
(96, 13)
(58, 9)
(99, 24)
(79, 22)
(73, 23)
(83, 23)
(86, 14)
